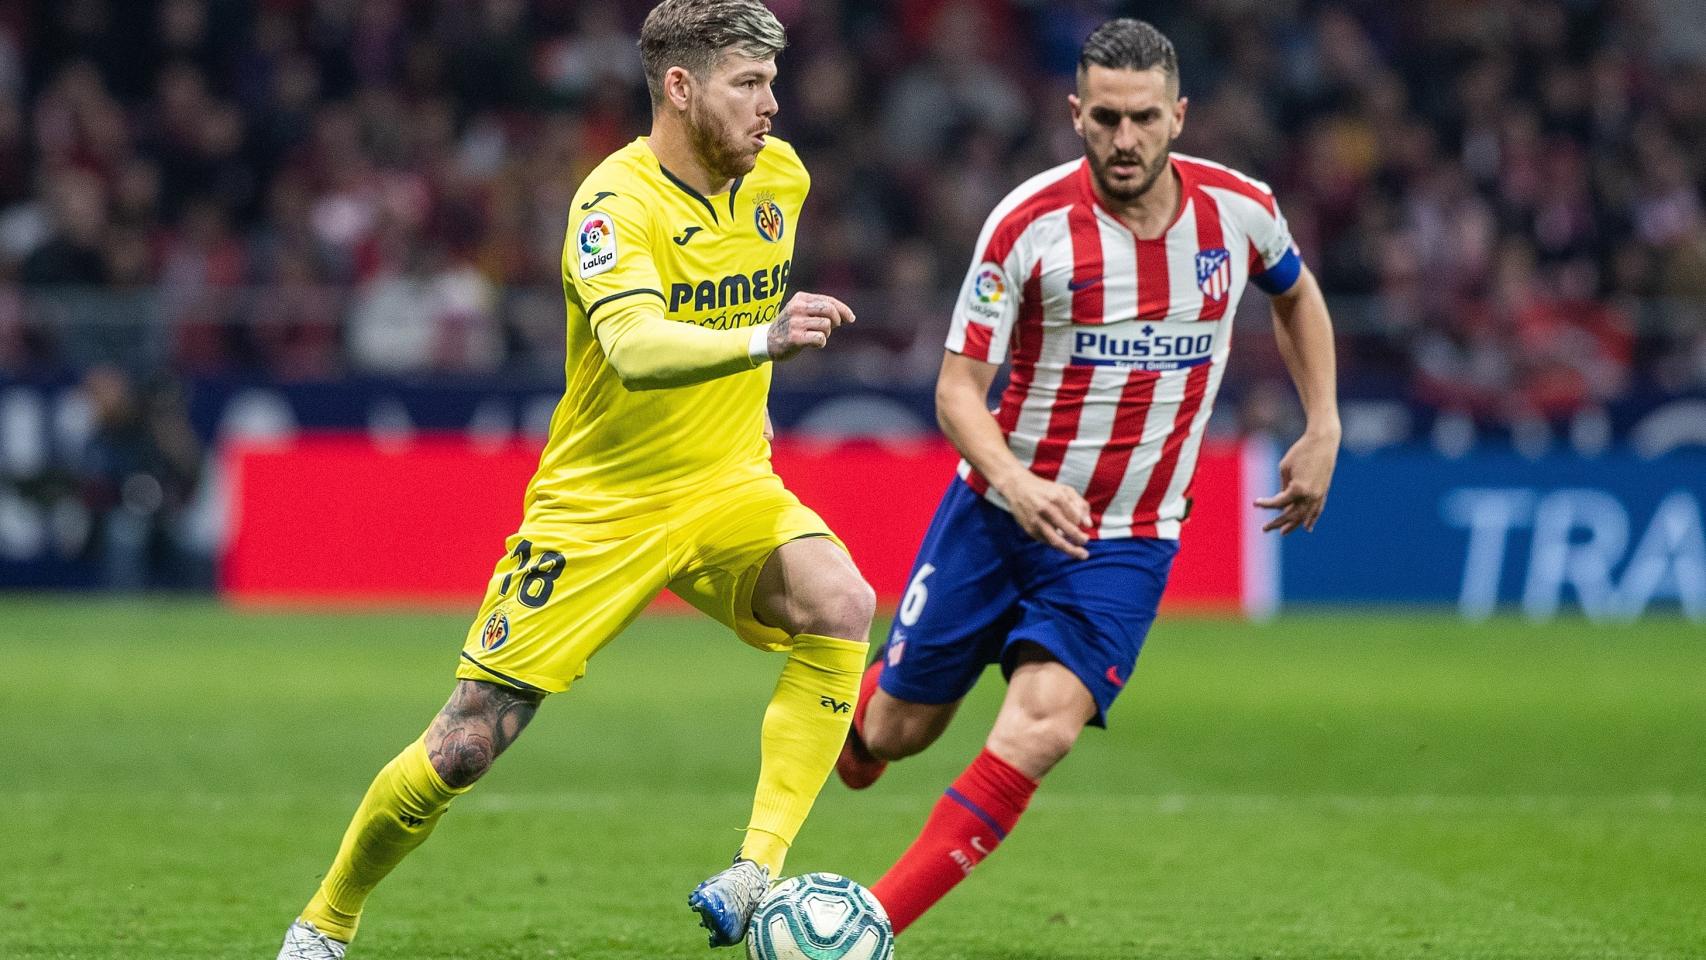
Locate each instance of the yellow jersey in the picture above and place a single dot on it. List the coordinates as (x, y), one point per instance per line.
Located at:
(639, 236)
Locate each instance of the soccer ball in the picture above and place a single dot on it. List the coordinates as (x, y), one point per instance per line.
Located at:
(820, 916)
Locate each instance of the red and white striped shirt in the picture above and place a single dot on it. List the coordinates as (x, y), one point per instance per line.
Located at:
(1117, 344)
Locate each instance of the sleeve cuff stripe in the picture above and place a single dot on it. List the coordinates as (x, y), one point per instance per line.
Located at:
(626, 293)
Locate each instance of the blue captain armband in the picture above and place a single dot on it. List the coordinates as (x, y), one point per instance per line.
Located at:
(1280, 277)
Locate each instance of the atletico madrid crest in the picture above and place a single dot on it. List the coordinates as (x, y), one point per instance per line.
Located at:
(1214, 272)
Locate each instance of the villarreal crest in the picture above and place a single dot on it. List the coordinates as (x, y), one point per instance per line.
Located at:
(496, 630)
(767, 217)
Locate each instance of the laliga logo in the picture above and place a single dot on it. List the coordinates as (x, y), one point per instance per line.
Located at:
(768, 218)
(597, 244)
(593, 233)
(989, 287)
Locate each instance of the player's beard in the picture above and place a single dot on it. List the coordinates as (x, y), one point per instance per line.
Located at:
(723, 155)
(1122, 194)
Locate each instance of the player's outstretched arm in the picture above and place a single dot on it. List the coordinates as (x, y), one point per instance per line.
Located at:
(1050, 512)
(650, 352)
(1305, 335)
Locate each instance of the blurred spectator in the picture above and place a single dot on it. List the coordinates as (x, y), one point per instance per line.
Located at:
(71, 255)
(294, 323)
(137, 473)
(202, 263)
(426, 317)
(957, 86)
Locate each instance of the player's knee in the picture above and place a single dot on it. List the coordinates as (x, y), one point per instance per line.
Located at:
(478, 723)
(894, 741)
(891, 735)
(1055, 740)
(461, 759)
(1034, 743)
(888, 749)
(841, 609)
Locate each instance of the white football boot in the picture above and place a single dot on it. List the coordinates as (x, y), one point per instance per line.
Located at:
(303, 941)
(725, 902)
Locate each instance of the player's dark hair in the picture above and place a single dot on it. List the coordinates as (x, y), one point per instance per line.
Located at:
(1128, 44)
(693, 35)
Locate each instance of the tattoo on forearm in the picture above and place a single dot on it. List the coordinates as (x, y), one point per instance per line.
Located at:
(478, 723)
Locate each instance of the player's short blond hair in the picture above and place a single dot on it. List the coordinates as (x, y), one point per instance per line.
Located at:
(694, 35)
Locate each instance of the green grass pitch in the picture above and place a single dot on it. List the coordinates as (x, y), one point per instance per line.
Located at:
(1345, 786)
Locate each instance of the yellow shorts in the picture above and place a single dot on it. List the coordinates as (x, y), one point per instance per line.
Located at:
(565, 590)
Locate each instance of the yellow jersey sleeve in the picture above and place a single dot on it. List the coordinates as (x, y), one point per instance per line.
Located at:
(609, 259)
(650, 352)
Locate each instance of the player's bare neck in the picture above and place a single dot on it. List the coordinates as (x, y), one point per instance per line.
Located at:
(670, 144)
(1149, 215)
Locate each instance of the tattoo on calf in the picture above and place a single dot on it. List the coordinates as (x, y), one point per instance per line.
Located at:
(478, 723)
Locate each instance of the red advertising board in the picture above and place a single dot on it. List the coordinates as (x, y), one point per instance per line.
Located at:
(343, 519)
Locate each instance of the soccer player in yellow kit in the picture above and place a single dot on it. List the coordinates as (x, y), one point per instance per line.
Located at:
(656, 474)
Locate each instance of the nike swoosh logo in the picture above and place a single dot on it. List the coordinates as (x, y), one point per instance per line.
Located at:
(686, 235)
(1114, 677)
(597, 199)
(1077, 285)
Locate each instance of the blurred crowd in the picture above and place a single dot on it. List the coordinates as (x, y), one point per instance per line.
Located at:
(1503, 198)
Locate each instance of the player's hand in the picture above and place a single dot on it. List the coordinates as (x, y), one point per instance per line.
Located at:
(806, 321)
(1305, 472)
(1052, 513)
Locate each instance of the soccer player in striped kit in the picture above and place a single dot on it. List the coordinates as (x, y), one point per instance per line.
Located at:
(1110, 283)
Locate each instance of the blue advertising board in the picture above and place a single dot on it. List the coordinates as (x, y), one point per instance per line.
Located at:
(1611, 537)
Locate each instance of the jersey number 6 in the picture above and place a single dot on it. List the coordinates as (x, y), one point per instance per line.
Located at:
(917, 595)
(538, 581)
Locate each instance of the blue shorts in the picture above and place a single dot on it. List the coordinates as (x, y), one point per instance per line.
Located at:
(981, 586)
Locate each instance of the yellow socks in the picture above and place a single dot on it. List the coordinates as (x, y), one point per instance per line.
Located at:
(400, 810)
(804, 727)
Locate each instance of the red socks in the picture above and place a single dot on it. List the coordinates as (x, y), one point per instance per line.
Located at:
(867, 687)
(968, 822)
(855, 765)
